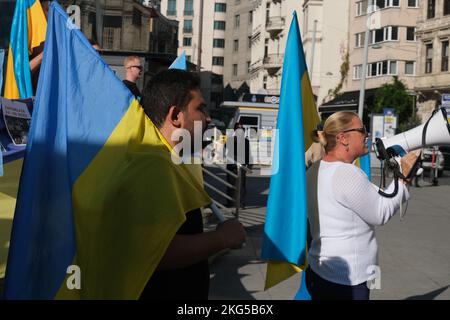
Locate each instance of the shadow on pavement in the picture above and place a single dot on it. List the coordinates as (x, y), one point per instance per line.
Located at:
(430, 295)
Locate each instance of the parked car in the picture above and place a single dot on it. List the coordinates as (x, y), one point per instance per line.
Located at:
(427, 157)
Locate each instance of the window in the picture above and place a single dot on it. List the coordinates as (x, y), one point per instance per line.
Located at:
(187, 27)
(431, 8)
(248, 66)
(413, 3)
(172, 8)
(411, 34)
(236, 45)
(392, 67)
(386, 3)
(380, 68)
(188, 7)
(187, 42)
(137, 17)
(188, 58)
(446, 7)
(444, 57)
(219, 25)
(359, 39)
(235, 70)
(410, 67)
(429, 58)
(361, 8)
(250, 17)
(218, 43)
(379, 35)
(357, 70)
(249, 39)
(220, 7)
(217, 61)
(383, 34)
(237, 19)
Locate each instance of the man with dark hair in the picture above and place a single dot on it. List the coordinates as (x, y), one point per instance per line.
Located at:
(172, 100)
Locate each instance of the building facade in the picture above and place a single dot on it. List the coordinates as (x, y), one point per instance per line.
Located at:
(393, 45)
(325, 31)
(271, 22)
(202, 25)
(238, 45)
(127, 25)
(433, 75)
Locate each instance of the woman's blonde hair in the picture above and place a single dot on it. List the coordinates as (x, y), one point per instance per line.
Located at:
(337, 122)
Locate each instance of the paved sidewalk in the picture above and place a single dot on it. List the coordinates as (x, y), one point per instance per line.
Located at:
(414, 254)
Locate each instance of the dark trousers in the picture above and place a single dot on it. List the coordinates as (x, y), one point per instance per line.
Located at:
(321, 289)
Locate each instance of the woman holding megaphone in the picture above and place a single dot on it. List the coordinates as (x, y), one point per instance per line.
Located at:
(343, 209)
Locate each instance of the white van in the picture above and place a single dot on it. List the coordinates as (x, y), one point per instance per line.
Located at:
(259, 120)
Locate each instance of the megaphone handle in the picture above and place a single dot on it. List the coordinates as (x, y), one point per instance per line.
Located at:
(394, 193)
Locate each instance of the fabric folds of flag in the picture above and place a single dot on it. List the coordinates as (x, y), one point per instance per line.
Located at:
(179, 62)
(99, 190)
(364, 162)
(27, 32)
(285, 231)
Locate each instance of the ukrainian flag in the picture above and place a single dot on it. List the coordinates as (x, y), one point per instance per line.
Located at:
(99, 189)
(284, 242)
(27, 32)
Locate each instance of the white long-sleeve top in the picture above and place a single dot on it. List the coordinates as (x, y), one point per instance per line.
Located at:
(349, 205)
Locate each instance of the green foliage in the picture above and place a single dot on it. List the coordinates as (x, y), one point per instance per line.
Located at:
(394, 95)
(343, 71)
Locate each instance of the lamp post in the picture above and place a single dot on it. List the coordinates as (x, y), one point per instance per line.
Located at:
(370, 10)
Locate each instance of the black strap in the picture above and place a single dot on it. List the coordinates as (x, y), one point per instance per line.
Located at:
(425, 127)
(312, 175)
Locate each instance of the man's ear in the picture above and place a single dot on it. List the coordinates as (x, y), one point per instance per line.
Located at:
(174, 116)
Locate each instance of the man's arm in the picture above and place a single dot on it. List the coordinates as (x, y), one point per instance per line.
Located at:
(186, 250)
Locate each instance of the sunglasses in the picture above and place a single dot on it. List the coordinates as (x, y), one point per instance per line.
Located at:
(139, 67)
(360, 130)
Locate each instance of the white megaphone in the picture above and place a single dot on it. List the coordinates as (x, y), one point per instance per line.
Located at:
(435, 132)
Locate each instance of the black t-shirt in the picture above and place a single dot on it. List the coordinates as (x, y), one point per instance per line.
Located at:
(133, 88)
(191, 283)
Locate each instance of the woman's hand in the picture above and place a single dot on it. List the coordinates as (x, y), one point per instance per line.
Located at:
(407, 163)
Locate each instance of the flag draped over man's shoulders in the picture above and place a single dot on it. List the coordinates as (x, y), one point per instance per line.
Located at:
(27, 32)
(285, 231)
(99, 193)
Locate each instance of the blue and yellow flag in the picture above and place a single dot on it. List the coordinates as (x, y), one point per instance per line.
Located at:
(285, 231)
(27, 32)
(99, 192)
(179, 62)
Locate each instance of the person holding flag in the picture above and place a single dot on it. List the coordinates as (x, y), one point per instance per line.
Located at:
(102, 205)
(28, 30)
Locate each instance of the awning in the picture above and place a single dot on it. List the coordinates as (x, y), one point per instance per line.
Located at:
(347, 101)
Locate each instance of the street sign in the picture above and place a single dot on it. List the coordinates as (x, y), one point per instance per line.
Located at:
(390, 122)
(446, 99)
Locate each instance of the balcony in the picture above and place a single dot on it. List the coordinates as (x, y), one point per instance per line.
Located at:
(273, 62)
(275, 25)
(255, 67)
(187, 30)
(171, 13)
(189, 13)
(256, 33)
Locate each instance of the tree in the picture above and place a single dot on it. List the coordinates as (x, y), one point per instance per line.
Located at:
(394, 95)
